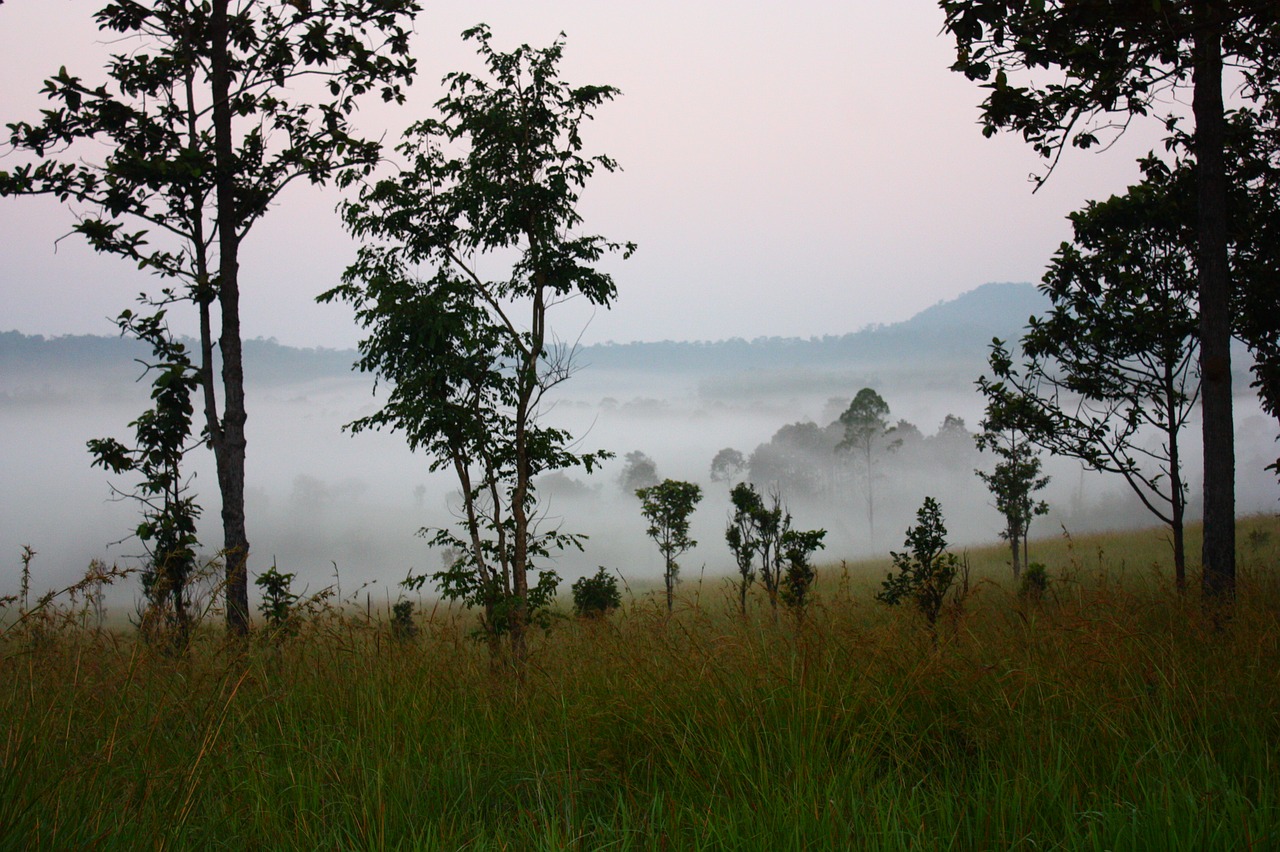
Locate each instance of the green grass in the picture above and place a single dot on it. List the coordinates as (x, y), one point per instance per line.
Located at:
(1112, 715)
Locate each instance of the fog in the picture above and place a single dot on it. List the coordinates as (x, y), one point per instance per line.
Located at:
(321, 501)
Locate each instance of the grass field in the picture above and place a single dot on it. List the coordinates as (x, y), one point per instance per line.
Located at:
(1110, 715)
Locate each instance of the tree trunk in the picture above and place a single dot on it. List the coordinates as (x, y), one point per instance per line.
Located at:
(229, 450)
(1218, 555)
(1178, 501)
(1015, 549)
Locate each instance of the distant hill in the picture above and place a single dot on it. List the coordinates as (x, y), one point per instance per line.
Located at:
(958, 330)
(951, 336)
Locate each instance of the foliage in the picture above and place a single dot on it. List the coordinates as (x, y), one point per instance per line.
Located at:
(494, 178)
(925, 572)
(1034, 583)
(1091, 68)
(279, 602)
(797, 581)
(596, 596)
(1114, 360)
(728, 465)
(667, 507)
(208, 117)
(638, 471)
(755, 531)
(403, 628)
(865, 425)
(742, 536)
(798, 459)
(169, 511)
(1014, 480)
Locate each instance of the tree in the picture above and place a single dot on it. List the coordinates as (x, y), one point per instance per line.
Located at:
(1114, 62)
(638, 471)
(743, 536)
(169, 510)
(925, 572)
(796, 460)
(207, 121)
(1113, 361)
(1013, 482)
(866, 432)
(757, 529)
(797, 550)
(728, 465)
(495, 178)
(667, 507)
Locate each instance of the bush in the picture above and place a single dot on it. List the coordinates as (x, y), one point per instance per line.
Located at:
(596, 596)
(278, 600)
(926, 573)
(403, 629)
(1035, 582)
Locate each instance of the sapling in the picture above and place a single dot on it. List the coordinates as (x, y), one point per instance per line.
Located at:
(667, 506)
(925, 572)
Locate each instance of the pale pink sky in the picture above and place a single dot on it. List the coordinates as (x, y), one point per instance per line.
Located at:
(791, 171)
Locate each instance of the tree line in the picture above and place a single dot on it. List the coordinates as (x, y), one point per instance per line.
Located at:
(211, 113)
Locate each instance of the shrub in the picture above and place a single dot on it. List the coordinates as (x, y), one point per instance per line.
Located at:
(925, 573)
(596, 596)
(278, 600)
(403, 628)
(1035, 582)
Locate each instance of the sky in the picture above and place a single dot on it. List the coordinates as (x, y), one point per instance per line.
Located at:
(794, 172)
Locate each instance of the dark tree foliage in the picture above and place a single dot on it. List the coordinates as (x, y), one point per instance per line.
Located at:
(925, 571)
(798, 547)
(596, 596)
(468, 360)
(1013, 482)
(667, 507)
(1067, 72)
(169, 511)
(760, 530)
(1113, 363)
(212, 109)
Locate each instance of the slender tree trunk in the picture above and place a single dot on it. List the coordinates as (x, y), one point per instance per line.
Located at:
(1015, 548)
(1177, 496)
(229, 450)
(670, 579)
(1218, 555)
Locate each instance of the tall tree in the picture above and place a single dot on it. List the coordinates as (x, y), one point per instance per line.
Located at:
(1114, 360)
(468, 360)
(1111, 62)
(867, 433)
(211, 112)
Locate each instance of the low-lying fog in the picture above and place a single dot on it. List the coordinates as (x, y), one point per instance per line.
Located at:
(318, 497)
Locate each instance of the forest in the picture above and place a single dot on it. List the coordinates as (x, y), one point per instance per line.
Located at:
(821, 686)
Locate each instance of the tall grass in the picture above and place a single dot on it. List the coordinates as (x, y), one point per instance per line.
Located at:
(1110, 715)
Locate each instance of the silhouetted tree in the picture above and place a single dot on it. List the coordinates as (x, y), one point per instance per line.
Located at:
(498, 172)
(728, 465)
(210, 119)
(1099, 65)
(638, 471)
(667, 507)
(866, 434)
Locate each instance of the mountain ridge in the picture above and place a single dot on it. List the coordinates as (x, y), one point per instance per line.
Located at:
(954, 329)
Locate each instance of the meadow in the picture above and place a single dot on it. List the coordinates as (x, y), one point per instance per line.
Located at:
(1109, 714)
